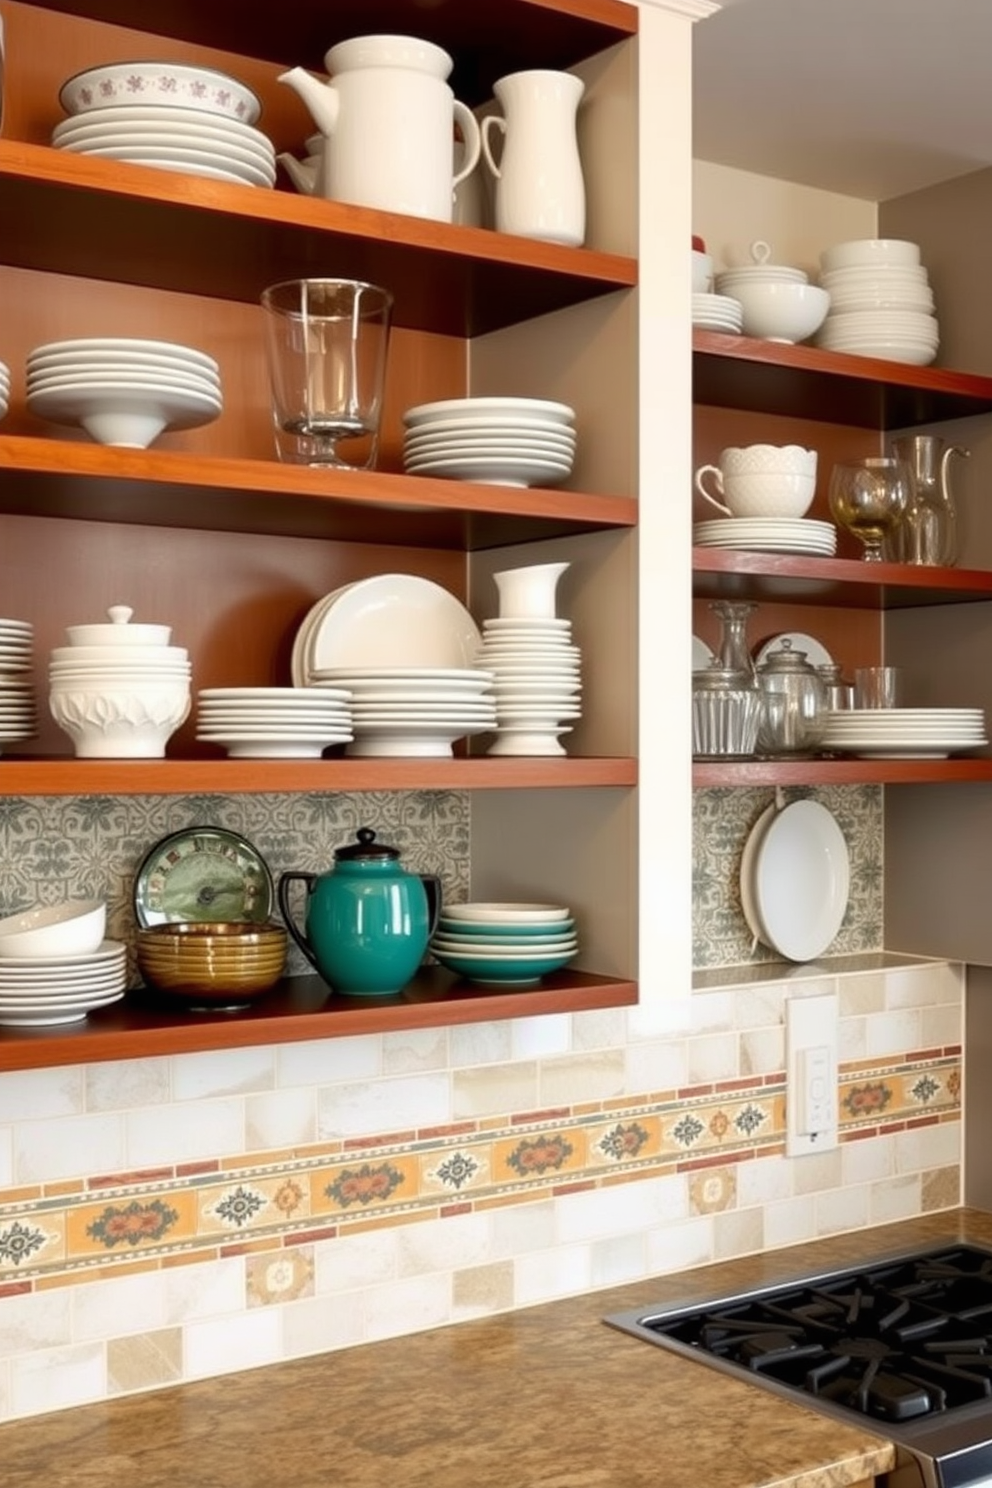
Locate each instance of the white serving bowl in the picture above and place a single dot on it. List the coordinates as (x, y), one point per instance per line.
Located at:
(871, 252)
(166, 84)
(782, 312)
(127, 722)
(73, 929)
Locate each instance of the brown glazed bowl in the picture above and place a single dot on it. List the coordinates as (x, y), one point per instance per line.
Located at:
(223, 963)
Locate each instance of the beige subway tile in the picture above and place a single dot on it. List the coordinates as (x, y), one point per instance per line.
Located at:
(144, 1361)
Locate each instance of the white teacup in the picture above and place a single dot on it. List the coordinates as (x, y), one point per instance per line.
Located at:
(761, 480)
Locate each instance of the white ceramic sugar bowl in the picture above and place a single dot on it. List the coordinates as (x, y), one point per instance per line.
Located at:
(119, 690)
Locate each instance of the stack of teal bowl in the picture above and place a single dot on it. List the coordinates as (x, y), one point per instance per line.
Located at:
(512, 945)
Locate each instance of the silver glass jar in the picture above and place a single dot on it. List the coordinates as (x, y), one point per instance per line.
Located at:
(793, 705)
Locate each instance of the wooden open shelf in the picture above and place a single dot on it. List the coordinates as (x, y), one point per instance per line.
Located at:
(300, 1008)
(180, 777)
(783, 578)
(827, 386)
(134, 224)
(487, 38)
(708, 774)
(57, 478)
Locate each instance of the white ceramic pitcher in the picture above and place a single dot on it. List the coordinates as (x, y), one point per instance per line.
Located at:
(388, 119)
(540, 191)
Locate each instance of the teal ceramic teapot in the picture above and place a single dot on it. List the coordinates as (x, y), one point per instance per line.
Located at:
(368, 921)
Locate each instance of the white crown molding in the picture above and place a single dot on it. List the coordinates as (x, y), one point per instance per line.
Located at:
(696, 10)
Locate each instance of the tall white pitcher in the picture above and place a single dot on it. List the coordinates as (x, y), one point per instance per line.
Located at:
(388, 120)
(540, 191)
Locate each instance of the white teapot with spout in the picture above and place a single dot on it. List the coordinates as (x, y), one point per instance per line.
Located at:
(388, 118)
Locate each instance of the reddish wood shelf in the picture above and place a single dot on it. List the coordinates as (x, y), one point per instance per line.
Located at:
(709, 774)
(55, 478)
(177, 777)
(301, 1008)
(135, 224)
(724, 574)
(487, 38)
(829, 387)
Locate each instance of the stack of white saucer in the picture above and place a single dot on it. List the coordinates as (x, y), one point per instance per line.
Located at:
(881, 303)
(18, 709)
(494, 441)
(534, 665)
(717, 312)
(274, 722)
(123, 391)
(805, 535)
(4, 390)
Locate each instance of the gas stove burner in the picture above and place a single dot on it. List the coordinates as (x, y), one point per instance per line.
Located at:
(905, 1343)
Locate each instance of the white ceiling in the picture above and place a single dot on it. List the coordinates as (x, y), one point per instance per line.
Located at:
(870, 98)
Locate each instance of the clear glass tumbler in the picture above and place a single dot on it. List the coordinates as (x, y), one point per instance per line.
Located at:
(326, 341)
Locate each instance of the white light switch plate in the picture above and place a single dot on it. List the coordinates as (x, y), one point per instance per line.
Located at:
(811, 1033)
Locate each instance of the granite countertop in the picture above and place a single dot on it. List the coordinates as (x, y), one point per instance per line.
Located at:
(548, 1397)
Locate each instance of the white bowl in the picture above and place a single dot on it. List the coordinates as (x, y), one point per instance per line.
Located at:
(167, 84)
(73, 929)
(127, 722)
(892, 252)
(782, 312)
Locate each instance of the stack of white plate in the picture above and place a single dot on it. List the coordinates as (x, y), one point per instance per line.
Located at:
(536, 683)
(881, 302)
(412, 710)
(905, 733)
(123, 391)
(273, 722)
(805, 535)
(512, 944)
(717, 312)
(18, 708)
(4, 389)
(41, 991)
(189, 140)
(495, 441)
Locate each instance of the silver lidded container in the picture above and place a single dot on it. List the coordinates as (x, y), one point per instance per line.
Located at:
(793, 705)
(726, 711)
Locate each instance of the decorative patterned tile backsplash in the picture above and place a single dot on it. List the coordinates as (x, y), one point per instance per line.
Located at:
(723, 819)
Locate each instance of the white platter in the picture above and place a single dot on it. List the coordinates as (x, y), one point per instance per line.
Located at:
(502, 471)
(140, 151)
(800, 880)
(393, 620)
(515, 408)
(122, 347)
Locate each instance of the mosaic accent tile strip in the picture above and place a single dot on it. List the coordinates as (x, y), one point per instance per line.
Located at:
(276, 1200)
(722, 821)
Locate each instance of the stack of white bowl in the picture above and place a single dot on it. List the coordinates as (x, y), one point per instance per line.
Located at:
(273, 722)
(411, 711)
(495, 441)
(4, 390)
(881, 303)
(535, 668)
(181, 118)
(18, 708)
(55, 966)
(119, 690)
(123, 391)
(777, 301)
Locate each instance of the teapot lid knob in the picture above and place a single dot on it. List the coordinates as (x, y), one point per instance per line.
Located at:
(365, 848)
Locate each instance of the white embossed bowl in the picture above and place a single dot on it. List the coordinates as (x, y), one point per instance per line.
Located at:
(105, 721)
(160, 83)
(73, 929)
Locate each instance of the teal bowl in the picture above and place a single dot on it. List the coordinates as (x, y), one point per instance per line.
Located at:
(478, 930)
(504, 969)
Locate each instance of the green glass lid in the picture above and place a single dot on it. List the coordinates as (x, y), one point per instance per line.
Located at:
(203, 873)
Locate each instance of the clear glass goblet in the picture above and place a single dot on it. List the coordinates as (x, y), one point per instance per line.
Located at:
(869, 498)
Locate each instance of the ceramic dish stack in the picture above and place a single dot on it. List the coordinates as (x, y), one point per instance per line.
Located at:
(273, 722)
(18, 705)
(4, 389)
(905, 733)
(807, 535)
(494, 441)
(881, 303)
(178, 118)
(536, 670)
(717, 312)
(508, 944)
(405, 649)
(42, 991)
(123, 391)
